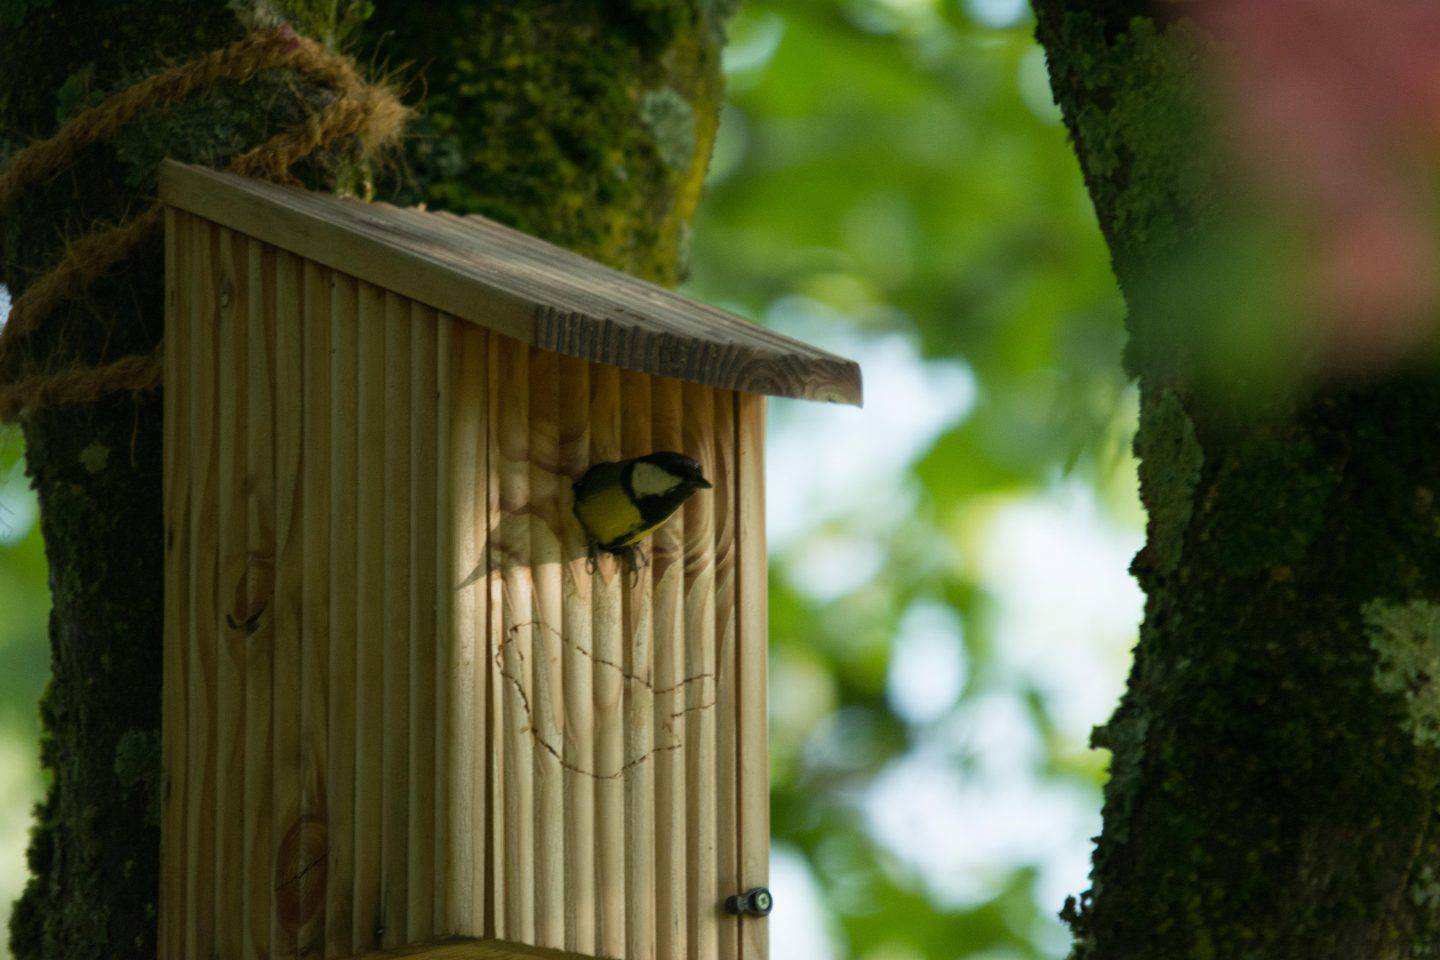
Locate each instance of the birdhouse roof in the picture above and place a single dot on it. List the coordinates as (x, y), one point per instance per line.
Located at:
(518, 285)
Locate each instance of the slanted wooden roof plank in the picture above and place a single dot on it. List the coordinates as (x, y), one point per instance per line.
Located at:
(517, 285)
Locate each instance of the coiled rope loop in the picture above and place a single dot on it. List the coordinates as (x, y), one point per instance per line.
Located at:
(372, 114)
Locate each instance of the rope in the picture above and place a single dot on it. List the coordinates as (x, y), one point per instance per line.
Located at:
(372, 114)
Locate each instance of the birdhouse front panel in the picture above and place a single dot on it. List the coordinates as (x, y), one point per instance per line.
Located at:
(406, 701)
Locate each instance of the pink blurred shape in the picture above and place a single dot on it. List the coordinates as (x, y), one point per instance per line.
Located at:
(1332, 110)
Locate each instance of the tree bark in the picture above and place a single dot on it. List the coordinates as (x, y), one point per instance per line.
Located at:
(597, 122)
(587, 123)
(1275, 757)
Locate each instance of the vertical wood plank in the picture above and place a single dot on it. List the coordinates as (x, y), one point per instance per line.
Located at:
(611, 729)
(259, 613)
(345, 482)
(284, 322)
(698, 692)
(451, 821)
(205, 614)
(667, 567)
(751, 648)
(485, 761)
(497, 687)
(510, 552)
(727, 780)
(640, 700)
(580, 663)
(548, 646)
(310, 862)
(463, 590)
(174, 888)
(394, 831)
(369, 917)
(233, 559)
(424, 484)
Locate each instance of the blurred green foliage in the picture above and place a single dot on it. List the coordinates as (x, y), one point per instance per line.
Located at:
(949, 608)
(24, 661)
(894, 170)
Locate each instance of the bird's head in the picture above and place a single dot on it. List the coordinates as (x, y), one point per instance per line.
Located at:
(666, 472)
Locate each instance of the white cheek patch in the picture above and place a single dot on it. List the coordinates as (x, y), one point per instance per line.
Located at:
(648, 480)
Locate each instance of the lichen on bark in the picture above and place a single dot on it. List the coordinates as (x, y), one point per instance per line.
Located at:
(1406, 641)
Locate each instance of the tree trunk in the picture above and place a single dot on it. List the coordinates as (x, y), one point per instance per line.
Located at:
(1276, 756)
(586, 121)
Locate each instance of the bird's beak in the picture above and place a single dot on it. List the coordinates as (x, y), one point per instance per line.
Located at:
(702, 483)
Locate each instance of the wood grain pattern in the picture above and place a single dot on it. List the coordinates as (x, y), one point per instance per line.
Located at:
(404, 704)
(548, 651)
(509, 551)
(573, 459)
(306, 892)
(464, 589)
(204, 610)
(231, 657)
(637, 641)
(727, 772)
(519, 286)
(257, 604)
(465, 949)
(424, 486)
(496, 888)
(343, 681)
(667, 565)
(283, 318)
(369, 914)
(453, 669)
(612, 731)
(174, 725)
(396, 786)
(698, 693)
(751, 655)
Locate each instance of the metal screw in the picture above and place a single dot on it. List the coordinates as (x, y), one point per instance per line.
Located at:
(755, 902)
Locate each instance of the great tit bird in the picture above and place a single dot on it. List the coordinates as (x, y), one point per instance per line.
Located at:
(620, 502)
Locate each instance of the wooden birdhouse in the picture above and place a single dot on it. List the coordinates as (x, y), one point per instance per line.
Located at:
(404, 710)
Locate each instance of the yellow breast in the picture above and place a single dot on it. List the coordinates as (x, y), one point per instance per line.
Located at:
(609, 516)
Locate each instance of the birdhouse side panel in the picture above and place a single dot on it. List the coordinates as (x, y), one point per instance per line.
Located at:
(402, 700)
(619, 726)
(308, 726)
(752, 610)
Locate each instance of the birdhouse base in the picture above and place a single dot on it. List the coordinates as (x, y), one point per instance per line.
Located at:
(472, 950)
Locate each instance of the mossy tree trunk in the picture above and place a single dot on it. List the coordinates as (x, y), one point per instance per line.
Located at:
(1276, 765)
(587, 121)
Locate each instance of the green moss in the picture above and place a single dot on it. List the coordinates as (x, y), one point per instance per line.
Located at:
(1269, 501)
(588, 124)
(1149, 115)
(1172, 458)
(1132, 110)
(1124, 736)
(138, 766)
(1406, 641)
